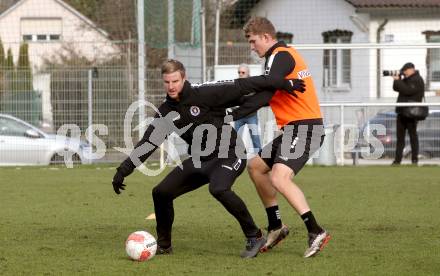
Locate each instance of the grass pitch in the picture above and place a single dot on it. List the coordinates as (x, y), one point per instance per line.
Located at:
(384, 221)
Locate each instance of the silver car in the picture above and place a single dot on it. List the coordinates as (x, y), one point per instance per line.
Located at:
(23, 144)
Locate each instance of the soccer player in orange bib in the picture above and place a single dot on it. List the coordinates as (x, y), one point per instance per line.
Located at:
(299, 118)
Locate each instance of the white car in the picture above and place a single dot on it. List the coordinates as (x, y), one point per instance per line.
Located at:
(23, 144)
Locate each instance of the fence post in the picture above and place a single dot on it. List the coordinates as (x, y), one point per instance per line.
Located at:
(217, 31)
(341, 142)
(203, 44)
(90, 108)
(171, 29)
(141, 64)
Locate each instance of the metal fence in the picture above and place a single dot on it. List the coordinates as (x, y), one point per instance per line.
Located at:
(355, 130)
(66, 63)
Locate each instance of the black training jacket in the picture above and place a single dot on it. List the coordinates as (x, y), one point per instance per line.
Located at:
(199, 105)
(411, 89)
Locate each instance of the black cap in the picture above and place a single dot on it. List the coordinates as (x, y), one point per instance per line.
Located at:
(407, 66)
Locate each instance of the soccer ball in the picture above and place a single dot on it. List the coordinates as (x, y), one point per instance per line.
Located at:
(140, 246)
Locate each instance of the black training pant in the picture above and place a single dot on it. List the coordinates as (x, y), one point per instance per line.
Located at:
(220, 174)
(403, 123)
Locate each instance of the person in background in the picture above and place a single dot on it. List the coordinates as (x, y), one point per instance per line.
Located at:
(411, 89)
(250, 120)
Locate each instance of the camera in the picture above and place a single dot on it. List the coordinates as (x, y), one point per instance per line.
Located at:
(392, 73)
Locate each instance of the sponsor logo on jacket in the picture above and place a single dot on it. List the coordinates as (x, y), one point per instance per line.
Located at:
(304, 74)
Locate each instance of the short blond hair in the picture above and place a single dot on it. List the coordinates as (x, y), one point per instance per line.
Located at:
(171, 66)
(259, 25)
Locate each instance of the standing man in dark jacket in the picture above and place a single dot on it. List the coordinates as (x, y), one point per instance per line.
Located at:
(193, 113)
(411, 89)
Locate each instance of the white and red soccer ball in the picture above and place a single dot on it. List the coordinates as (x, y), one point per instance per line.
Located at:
(141, 246)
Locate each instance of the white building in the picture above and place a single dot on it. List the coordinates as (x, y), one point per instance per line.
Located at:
(355, 75)
(51, 28)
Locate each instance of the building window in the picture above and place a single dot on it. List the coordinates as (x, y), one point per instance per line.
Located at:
(27, 38)
(54, 37)
(286, 37)
(337, 62)
(41, 29)
(433, 60)
(41, 37)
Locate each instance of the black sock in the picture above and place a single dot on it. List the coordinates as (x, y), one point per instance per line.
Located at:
(274, 217)
(310, 222)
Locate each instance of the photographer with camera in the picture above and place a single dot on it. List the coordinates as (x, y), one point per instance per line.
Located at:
(411, 88)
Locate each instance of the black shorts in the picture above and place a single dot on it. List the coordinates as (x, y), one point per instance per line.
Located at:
(293, 148)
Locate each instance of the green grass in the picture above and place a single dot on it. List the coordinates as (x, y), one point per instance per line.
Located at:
(384, 220)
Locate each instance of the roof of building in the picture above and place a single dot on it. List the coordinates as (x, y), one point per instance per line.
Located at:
(394, 3)
(243, 7)
(6, 4)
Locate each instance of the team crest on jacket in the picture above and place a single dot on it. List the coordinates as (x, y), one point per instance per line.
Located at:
(194, 110)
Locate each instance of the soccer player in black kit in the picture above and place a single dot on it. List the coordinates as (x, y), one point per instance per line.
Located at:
(196, 114)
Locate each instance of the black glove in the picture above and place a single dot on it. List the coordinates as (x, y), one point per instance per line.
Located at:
(117, 182)
(290, 86)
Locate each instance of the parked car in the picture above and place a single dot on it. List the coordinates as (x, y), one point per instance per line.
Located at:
(428, 132)
(23, 144)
